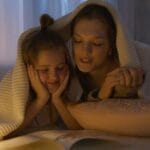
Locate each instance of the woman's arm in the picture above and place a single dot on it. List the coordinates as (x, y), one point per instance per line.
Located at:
(128, 78)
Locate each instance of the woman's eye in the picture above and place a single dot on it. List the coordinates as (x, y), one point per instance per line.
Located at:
(77, 40)
(60, 67)
(97, 43)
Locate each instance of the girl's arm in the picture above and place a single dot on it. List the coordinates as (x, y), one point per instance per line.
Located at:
(42, 97)
(31, 112)
(61, 106)
(35, 106)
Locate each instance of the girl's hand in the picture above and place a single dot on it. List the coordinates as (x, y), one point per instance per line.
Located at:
(61, 89)
(41, 91)
(125, 77)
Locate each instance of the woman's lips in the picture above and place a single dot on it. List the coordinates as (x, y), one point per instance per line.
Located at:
(86, 60)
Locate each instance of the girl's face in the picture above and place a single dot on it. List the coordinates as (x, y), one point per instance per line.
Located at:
(91, 44)
(52, 68)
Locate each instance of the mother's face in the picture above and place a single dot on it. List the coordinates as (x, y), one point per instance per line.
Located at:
(91, 44)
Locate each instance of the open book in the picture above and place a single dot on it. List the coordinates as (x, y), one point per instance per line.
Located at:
(74, 140)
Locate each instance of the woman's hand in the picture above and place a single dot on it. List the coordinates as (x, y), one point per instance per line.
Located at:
(60, 90)
(41, 91)
(129, 76)
(123, 76)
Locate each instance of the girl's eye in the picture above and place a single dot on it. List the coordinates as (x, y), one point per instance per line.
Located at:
(61, 67)
(97, 43)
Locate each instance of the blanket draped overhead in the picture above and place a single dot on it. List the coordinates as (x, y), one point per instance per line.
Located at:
(131, 53)
(14, 87)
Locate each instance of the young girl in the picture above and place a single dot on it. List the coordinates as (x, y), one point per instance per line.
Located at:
(50, 71)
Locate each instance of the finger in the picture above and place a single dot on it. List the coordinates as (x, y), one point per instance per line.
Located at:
(127, 77)
(140, 77)
(107, 87)
(63, 85)
(34, 77)
(35, 74)
(135, 77)
(112, 80)
(30, 74)
(66, 79)
(29, 68)
(37, 77)
(114, 72)
(122, 79)
(115, 83)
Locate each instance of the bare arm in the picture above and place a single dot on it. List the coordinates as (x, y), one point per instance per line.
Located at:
(68, 119)
(32, 111)
(61, 106)
(42, 97)
(35, 106)
(126, 78)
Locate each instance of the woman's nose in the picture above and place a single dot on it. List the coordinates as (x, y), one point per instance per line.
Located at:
(87, 47)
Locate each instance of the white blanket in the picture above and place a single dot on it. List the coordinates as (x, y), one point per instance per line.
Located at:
(14, 86)
(131, 53)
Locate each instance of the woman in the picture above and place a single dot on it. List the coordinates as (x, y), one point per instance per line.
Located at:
(106, 59)
(95, 53)
(110, 65)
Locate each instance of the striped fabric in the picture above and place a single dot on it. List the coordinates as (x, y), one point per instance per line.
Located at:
(13, 94)
(14, 86)
(131, 53)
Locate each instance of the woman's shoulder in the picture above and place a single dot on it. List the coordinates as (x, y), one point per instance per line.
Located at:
(74, 90)
(143, 52)
(142, 48)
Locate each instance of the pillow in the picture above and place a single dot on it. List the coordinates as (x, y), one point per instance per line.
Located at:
(120, 116)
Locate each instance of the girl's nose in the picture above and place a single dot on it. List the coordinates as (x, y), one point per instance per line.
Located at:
(53, 76)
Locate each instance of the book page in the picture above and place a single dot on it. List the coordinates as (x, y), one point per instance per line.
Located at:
(75, 140)
(38, 145)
